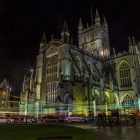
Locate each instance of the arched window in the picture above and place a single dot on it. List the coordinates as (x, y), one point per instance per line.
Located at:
(128, 101)
(124, 74)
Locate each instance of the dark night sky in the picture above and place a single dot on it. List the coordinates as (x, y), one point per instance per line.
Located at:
(23, 21)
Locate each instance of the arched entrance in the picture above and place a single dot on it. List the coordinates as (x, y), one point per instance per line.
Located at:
(68, 104)
(111, 102)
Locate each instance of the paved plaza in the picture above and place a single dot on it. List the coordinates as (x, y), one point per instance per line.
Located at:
(113, 133)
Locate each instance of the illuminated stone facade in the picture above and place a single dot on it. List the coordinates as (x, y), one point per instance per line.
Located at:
(8, 105)
(4, 98)
(86, 78)
(27, 97)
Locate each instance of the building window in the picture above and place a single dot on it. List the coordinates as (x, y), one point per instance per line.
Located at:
(128, 101)
(125, 76)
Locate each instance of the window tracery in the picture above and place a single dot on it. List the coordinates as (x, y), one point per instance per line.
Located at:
(124, 74)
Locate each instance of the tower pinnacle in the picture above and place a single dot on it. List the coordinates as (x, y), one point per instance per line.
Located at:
(80, 26)
(97, 18)
(129, 40)
(65, 33)
(133, 40)
(105, 25)
(43, 40)
(65, 27)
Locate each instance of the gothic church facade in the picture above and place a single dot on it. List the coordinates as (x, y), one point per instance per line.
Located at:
(85, 79)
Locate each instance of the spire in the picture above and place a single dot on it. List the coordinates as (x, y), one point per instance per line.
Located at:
(97, 18)
(80, 26)
(97, 15)
(65, 27)
(44, 40)
(114, 52)
(133, 40)
(135, 45)
(105, 23)
(65, 33)
(24, 85)
(131, 48)
(129, 41)
(80, 22)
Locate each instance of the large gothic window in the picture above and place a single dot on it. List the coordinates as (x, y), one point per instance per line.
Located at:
(125, 76)
(51, 78)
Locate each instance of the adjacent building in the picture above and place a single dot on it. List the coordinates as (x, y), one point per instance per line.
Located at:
(9, 105)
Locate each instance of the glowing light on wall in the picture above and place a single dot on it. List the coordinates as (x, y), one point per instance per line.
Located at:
(94, 108)
(102, 53)
(139, 103)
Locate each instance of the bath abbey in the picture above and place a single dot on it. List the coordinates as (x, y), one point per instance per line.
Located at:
(88, 78)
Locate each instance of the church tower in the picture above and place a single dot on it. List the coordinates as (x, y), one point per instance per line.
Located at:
(65, 33)
(94, 39)
(63, 56)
